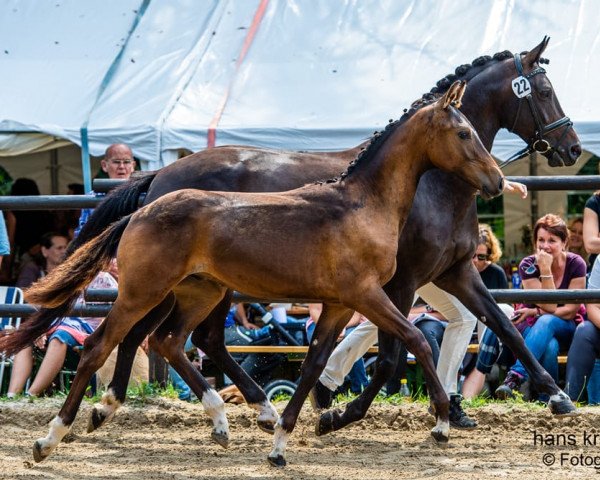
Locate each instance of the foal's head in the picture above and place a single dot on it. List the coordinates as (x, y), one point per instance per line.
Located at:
(453, 144)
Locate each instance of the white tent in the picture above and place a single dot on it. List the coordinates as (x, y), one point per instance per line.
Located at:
(299, 74)
(160, 75)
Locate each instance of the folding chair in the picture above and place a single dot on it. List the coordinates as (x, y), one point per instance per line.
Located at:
(11, 296)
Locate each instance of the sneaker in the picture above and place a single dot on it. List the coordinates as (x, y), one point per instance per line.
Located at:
(512, 382)
(320, 396)
(458, 417)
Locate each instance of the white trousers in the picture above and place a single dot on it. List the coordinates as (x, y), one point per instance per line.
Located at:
(457, 336)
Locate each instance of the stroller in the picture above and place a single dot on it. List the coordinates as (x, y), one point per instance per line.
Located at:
(274, 372)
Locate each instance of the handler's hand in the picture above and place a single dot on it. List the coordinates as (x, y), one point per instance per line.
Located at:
(515, 187)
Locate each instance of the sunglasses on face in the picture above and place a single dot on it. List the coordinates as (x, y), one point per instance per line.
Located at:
(480, 256)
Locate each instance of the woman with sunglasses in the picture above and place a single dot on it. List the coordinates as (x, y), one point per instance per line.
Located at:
(486, 255)
(552, 267)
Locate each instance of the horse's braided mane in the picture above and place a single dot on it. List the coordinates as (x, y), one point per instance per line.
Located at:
(462, 72)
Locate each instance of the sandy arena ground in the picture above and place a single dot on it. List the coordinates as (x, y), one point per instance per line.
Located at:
(169, 439)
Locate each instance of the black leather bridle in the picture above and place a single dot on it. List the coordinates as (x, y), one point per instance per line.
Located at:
(538, 143)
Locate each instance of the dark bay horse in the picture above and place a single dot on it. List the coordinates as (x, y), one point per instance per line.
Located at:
(346, 235)
(441, 244)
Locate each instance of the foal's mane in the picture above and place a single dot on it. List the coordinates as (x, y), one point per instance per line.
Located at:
(462, 72)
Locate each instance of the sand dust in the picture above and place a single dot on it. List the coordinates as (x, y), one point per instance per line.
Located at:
(169, 439)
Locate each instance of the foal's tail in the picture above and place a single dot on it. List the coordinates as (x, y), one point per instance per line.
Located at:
(122, 201)
(58, 291)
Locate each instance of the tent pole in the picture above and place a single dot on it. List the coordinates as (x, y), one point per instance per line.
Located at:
(85, 161)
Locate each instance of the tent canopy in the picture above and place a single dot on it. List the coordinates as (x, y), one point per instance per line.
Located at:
(160, 75)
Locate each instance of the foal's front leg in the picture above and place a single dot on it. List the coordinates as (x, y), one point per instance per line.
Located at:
(331, 322)
(377, 306)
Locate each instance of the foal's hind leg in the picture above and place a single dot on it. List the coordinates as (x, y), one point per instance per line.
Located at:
(464, 283)
(97, 348)
(331, 322)
(209, 337)
(169, 339)
(114, 397)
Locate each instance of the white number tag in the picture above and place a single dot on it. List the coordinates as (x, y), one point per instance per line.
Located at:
(521, 87)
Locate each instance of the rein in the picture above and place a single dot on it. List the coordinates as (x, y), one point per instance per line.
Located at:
(538, 143)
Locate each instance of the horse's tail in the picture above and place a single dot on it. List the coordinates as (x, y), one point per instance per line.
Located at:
(122, 201)
(58, 291)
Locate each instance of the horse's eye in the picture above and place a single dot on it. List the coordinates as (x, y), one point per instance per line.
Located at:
(464, 134)
(546, 93)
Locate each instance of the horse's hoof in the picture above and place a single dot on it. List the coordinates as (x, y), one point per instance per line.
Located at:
(69, 438)
(221, 438)
(267, 426)
(96, 420)
(38, 452)
(277, 461)
(561, 404)
(325, 424)
(439, 436)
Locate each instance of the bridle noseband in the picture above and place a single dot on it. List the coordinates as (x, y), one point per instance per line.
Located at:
(538, 143)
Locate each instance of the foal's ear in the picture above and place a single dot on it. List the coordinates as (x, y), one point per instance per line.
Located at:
(534, 55)
(454, 94)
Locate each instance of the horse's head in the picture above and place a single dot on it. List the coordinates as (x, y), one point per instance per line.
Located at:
(537, 116)
(453, 145)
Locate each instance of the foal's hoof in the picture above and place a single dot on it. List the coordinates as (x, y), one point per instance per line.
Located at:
(220, 438)
(96, 420)
(40, 453)
(440, 435)
(325, 424)
(277, 461)
(267, 426)
(560, 404)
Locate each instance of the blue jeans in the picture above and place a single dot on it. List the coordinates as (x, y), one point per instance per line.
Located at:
(4, 244)
(357, 374)
(538, 339)
(490, 353)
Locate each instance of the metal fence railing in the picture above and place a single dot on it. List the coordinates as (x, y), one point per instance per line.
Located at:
(54, 202)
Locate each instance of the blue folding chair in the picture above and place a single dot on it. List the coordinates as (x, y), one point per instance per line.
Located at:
(11, 296)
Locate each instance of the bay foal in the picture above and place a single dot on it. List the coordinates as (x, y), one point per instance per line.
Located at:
(343, 247)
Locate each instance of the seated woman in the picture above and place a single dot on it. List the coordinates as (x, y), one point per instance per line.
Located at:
(576, 239)
(550, 268)
(432, 325)
(487, 253)
(61, 344)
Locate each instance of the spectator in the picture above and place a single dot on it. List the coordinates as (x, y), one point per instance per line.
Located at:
(4, 243)
(433, 325)
(576, 238)
(68, 220)
(141, 370)
(550, 268)
(487, 253)
(581, 361)
(52, 252)
(53, 247)
(29, 226)
(61, 345)
(357, 374)
(118, 163)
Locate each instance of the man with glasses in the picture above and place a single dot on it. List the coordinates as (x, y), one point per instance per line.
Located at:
(118, 163)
